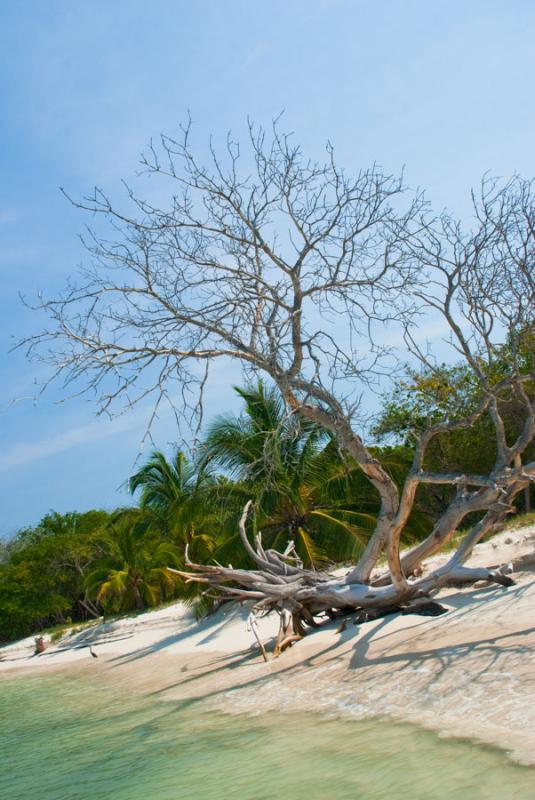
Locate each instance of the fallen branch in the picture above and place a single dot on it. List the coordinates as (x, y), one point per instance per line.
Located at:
(300, 595)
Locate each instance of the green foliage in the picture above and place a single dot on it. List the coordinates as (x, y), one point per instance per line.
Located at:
(71, 567)
(423, 399)
(453, 393)
(43, 570)
(174, 495)
(303, 490)
(133, 574)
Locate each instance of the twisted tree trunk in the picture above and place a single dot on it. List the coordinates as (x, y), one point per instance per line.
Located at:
(304, 597)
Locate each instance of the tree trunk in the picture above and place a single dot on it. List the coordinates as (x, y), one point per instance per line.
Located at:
(299, 595)
(140, 605)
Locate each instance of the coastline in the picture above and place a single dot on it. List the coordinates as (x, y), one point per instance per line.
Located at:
(468, 673)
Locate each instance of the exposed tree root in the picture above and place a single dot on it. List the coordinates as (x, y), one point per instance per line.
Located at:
(306, 598)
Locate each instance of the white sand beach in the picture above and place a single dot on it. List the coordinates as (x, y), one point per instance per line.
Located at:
(469, 672)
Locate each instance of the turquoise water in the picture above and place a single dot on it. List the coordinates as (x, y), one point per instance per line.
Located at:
(61, 739)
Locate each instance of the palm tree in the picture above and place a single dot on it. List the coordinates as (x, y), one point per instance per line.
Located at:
(302, 488)
(174, 492)
(165, 483)
(135, 574)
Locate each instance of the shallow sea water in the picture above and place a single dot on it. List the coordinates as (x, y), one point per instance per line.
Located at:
(62, 739)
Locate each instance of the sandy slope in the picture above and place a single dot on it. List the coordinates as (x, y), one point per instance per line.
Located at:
(470, 672)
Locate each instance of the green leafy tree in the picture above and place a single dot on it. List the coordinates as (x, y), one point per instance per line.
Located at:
(43, 570)
(453, 392)
(135, 573)
(174, 493)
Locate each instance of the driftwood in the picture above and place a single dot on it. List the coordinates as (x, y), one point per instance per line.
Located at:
(305, 598)
(40, 645)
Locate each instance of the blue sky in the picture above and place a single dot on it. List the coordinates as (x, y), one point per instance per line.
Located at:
(445, 88)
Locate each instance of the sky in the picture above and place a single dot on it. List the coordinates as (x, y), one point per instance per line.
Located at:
(443, 88)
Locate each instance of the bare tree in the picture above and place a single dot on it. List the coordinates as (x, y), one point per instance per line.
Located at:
(293, 268)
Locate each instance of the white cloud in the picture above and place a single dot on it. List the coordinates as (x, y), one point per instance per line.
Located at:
(8, 216)
(26, 453)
